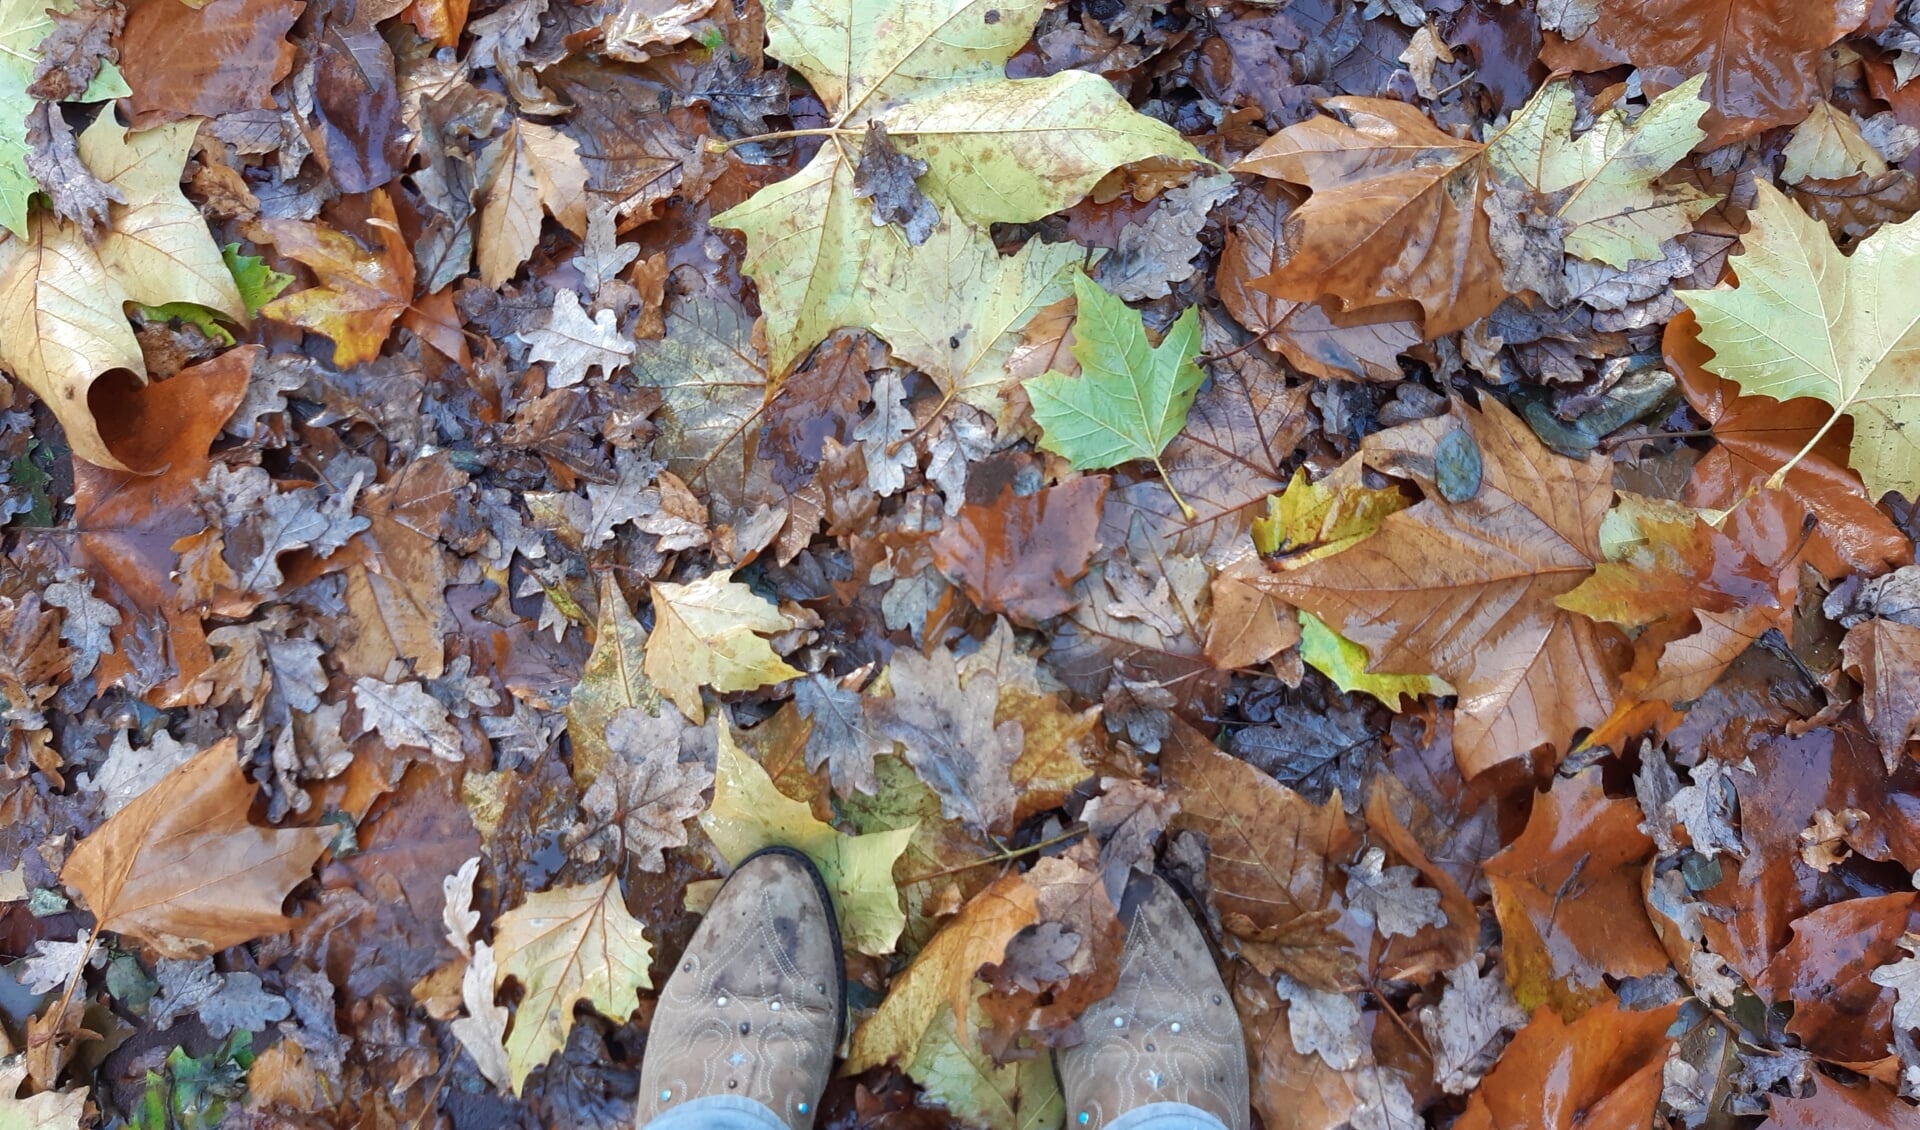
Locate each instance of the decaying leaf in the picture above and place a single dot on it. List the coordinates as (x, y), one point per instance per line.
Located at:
(361, 293)
(183, 870)
(947, 727)
(703, 636)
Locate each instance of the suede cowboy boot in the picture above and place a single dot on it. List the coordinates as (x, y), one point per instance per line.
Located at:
(756, 1005)
(1168, 1034)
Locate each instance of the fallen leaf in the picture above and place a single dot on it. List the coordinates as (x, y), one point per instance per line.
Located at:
(1249, 624)
(645, 795)
(224, 56)
(965, 1079)
(1828, 146)
(1885, 655)
(25, 25)
(1020, 554)
(1868, 1107)
(564, 946)
(1839, 1012)
(531, 168)
(703, 636)
(947, 727)
(1760, 59)
(407, 717)
(1604, 184)
(483, 1030)
(748, 813)
(1388, 896)
(1398, 213)
(1131, 397)
(613, 680)
(1567, 893)
(1466, 588)
(1601, 1072)
(571, 343)
(181, 868)
(843, 740)
(887, 177)
(942, 974)
(48, 1110)
(361, 293)
(997, 157)
(1469, 1028)
(1270, 861)
(1807, 321)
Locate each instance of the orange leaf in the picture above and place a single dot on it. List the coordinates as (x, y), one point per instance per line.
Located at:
(360, 294)
(1567, 894)
(181, 868)
(1019, 553)
(1601, 1072)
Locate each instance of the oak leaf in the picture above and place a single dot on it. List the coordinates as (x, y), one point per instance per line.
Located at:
(1398, 213)
(1270, 861)
(407, 717)
(571, 343)
(645, 796)
(946, 723)
(843, 740)
(1760, 57)
(748, 813)
(564, 946)
(1806, 320)
(182, 869)
(704, 636)
(1466, 589)
(361, 293)
(996, 149)
(48, 1110)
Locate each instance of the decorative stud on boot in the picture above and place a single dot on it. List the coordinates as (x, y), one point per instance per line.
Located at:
(756, 1005)
(1167, 1034)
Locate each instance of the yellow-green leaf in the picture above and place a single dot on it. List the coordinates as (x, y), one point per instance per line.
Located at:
(703, 636)
(1345, 662)
(158, 245)
(564, 946)
(611, 681)
(1828, 146)
(963, 1078)
(1809, 321)
(1604, 180)
(748, 813)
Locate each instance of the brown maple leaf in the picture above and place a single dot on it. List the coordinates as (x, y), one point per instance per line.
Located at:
(361, 293)
(1603, 1069)
(1761, 57)
(1465, 589)
(1270, 860)
(1398, 213)
(183, 870)
(1885, 654)
(1839, 1012)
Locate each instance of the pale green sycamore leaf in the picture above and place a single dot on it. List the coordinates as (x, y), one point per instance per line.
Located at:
(963, 1077)
(954, 307)
(1345, 662)
(1809, 321)
(1604, 179)
(1131, 397)
(997, 149)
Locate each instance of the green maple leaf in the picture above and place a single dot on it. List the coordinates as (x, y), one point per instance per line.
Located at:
(1809, 321)
(932, 71)
(1132, 396)
(1603, 180)
(259, 284)
(23, 24)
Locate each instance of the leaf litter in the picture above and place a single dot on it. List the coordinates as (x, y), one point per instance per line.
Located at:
(472, 473)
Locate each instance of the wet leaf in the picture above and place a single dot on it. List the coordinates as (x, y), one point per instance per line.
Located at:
(946, 724)
(182, 869)
(571, 343)
(361, 293)
(564, 946)
(748, 813)
(1020, 554)
(1885, 655)
(703, 636)
(1602, 1070)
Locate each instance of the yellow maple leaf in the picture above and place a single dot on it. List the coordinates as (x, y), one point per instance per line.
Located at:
(703, 636)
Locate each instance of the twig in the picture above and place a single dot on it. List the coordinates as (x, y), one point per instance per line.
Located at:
(1000, 857)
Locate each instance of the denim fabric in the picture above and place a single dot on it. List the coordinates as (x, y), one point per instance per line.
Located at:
(719, 1112)
(1162, 1116)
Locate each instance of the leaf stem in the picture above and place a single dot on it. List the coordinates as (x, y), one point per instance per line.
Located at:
(79, 971)
(1778, 479)
(1000, 857)
(1185, 510)
(715, 145)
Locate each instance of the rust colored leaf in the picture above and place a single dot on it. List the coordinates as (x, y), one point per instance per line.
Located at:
(129, 522)
(1885, 655)
(1838, 1012)
(1761, 57)
(1567, 893)
(357, 103)
(361, 293)
(1249, 624)
(1292, 1090)
(1271, 859)
(397, 571)
(1020, 554)
(1398, 213)
(1466, 589)
(182, 869)
(1364, 346)
(1832, 1104)
(1601, 1072)
(1756, 435)
(185, 61)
